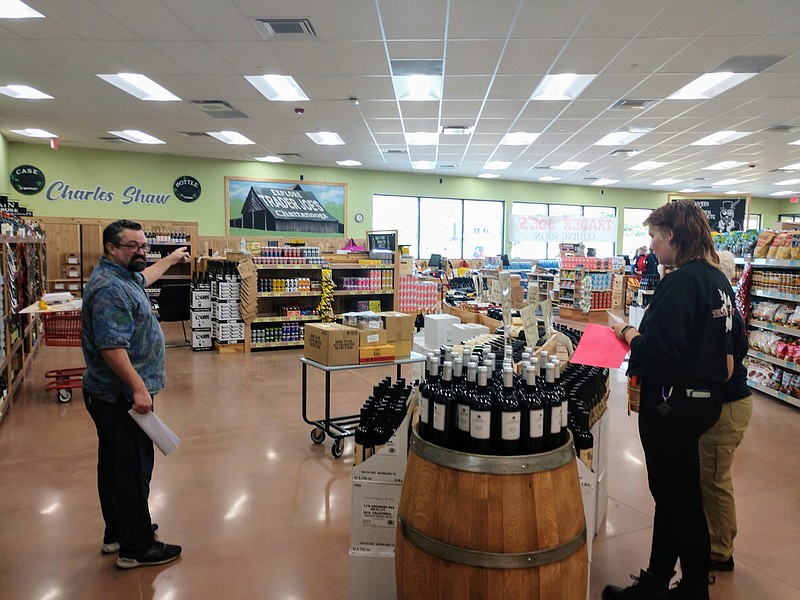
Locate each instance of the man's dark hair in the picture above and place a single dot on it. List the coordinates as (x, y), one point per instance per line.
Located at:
(112, 234)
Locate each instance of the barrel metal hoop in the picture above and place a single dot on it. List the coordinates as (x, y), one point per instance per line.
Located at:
(491, 560)
(493, 465)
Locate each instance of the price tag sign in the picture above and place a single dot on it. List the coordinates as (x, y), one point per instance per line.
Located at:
(496, 292)
(547, 315)
(529, 323)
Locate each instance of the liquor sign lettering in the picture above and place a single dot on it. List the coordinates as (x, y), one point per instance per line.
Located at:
(61, 190)
(563, 229)
(27, 179)
(186, 188)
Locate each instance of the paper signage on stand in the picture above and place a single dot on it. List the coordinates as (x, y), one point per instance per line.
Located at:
(504, 279)
(547, 315)
(600, 347)
(496, 294)
(529, 323)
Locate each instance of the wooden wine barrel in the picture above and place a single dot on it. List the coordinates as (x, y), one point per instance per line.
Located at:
(474, 527)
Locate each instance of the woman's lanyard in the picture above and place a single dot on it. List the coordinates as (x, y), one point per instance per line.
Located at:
(664, 408)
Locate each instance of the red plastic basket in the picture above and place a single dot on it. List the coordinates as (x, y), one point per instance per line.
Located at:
(62, 328)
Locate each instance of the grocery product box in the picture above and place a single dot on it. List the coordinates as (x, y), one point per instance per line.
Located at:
(73, 271)
(398, 325)
(402, 348)
(438, 330)
(464, 331)
(373, 354)
(201, 299)
(201, 319)
(374, 517)
(201, 339)
(371, 337)
(71, 259)
(331, 344)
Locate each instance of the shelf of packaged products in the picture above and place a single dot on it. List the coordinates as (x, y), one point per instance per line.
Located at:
(345, 266)
(176, 244)
(286, 294)
(774, 263)
(775, 294)
(282, 267)
(775, 393)
(284, 318)
(176, 277)
(3, 408)
(774, 360)
(362, 292)
(774, 327)
(293, 344)
(10, 239)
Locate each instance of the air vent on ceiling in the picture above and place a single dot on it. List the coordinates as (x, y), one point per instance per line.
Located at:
(630, 103)
(700, 179)
(396, 151)
(194, 134)
(591, 178)
(289, 155)
(219, 109)
(451, 166)
(625, 152)
(289, 28)
(114, 139)
(782, 129)
(783, 171)
(546, 168)
(456, 130)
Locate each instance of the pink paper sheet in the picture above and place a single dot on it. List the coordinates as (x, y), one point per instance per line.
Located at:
(599, 347)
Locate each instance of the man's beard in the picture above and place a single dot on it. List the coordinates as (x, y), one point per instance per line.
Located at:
(137, 264)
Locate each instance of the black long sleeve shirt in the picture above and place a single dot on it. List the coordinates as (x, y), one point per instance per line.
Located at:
(685, 332)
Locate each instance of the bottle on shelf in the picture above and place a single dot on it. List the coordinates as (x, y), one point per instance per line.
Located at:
(444, 414)
(480, 410)
(508, 417)
(534, 405)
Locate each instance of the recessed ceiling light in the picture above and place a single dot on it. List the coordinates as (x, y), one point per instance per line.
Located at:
(622, 136)
(326, 138)
(729, 182)
(723, 166)
(14, 9)
(37, 133)
(549, 178)
(488, 176)
(788, 182)
(231, 137)
(455, 130)
(277, 88)
(603, 181)
(564, 86)
(784, 193)
(734, 193)
(422, 138)
(647, 165)
(687, 191)
(497, 165)
(570, 166)
(666, 182)
(721, 137)
(348, 163)
(24, 92)
(795, 143)
(423, 165)
(710, 85)
(417, 80)
(137, 137)
(269, 159)
(519, 138)
(140, 86)
(792, 167)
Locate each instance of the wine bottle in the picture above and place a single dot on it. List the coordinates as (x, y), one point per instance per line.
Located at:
(562, 397)
(444, 408)
(425, 406)
(552, 411)
(463, 401)
(480, 416)
(535, 442)
(508, 443)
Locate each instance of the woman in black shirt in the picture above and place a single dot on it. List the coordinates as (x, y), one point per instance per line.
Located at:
(681, 355)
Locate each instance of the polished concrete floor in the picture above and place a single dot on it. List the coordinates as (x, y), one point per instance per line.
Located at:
(262, 512)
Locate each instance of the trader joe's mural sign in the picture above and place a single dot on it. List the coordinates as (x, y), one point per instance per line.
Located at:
(29, 178)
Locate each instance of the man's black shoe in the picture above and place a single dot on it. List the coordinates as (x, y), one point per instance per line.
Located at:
(645, 587)
(721, 565)
(157, 554)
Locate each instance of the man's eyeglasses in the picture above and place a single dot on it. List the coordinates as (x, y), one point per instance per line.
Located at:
(134, 247)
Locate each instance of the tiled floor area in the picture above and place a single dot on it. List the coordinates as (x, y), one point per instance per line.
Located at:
(264, 513)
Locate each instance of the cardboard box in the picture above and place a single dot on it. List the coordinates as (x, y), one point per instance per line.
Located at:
(465, 331)
(71, 259)
(331, 344)
(437, 330)
(374, 517)
(373, 354)
(201, 319)
(201, 339)
(402, 348)
(73, 272)
(371, 337)
(398, 325)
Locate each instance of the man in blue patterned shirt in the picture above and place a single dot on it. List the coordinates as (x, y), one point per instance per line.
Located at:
(123, 347)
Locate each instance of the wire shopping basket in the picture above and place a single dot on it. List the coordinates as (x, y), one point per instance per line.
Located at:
(62, 328)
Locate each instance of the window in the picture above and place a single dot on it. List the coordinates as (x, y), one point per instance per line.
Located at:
(754, 222)
(529, 249)
(483, 228)
(789, 218)
(440, 227)
(401, 213)
(634, 234)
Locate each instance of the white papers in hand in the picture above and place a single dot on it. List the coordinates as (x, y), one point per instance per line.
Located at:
(157, 430)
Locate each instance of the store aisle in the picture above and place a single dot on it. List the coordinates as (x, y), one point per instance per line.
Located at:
(262, 512)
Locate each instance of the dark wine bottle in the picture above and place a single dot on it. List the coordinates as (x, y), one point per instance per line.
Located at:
(535, 412)
(480, 416)
(463, 401)
(508, 443)
(563, 399)
(552, 411)
(425, 406)
(444, 408)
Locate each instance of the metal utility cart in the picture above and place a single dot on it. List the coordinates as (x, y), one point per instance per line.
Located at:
(339, 428)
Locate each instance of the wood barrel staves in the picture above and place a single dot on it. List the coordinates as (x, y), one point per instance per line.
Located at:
(473, 527)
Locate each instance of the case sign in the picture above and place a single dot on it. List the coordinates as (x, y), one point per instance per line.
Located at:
(186, 188)
(27, 179)
(563, 229)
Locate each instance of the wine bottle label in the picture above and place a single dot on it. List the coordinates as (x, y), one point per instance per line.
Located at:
(555, 420)
(463, 417)
(509, 426)
(423, 409)
(480, 423)
(586, 455)
(564, 415)
(439, 411)
(537, 423)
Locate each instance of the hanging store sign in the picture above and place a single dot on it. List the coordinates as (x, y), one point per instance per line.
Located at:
(63, 191)
(562, 229)
(27, 179)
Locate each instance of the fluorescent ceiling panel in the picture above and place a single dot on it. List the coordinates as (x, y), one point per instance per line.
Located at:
(417, 80)
(231, 137)
(422, 138)
(269, 159)
(348, 163)
(564, 86)
(137, 137)
(784, 193)
(36, 133)
(519, 138)
(603, 181)
(721, 137)
(14, 9)
(723, 166)
(140, 86)
(666, 181)
(23, 92)
(792, 167)
(788, 182)
(734, 193)
(455, 130)
(710, 85)
(278, 88)
(795, 143)
(326, 138)
(488, 176)
(570, 165)
(729, 182)
(687, 191)
(549, 178)
(622, 136)
(647, 165)
(423, 165)
(497, 165)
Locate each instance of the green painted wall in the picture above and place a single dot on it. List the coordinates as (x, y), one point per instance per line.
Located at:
(114, 171)
(5, 184)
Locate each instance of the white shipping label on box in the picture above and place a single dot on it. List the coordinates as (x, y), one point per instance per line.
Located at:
(374, 517)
